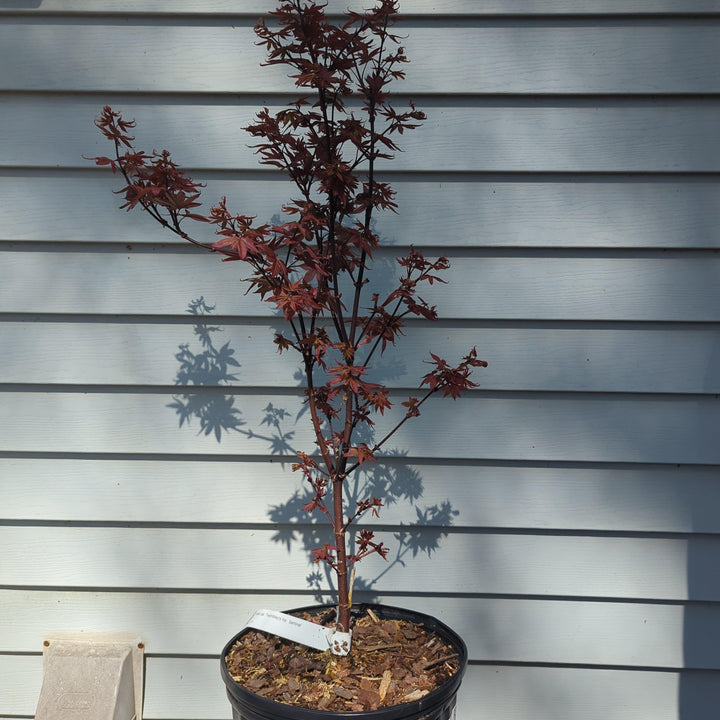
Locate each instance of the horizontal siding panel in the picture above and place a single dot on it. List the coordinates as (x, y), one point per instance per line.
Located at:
(184, 687)
(658, 287)
(420, 7)
(571, 513)
(518, 693)
(590, 359)
(143, 354)
(191, 558)
(552, 136)
(191, 688)
(591, 694)
(23, 675)
(585, 428)
(546, 212)
(667, 499)
(502, 58)
(495, 630)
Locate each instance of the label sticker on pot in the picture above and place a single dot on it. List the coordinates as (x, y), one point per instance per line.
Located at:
(291, 628)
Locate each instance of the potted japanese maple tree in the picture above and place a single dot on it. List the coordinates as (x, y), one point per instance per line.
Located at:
(315, 269)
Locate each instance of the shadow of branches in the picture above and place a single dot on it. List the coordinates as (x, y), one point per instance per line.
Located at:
(209, 365)
(216, 413)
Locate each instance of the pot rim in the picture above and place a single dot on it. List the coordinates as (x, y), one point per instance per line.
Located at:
(434, 698)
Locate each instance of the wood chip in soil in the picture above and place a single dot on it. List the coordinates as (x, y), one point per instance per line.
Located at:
(391, 662)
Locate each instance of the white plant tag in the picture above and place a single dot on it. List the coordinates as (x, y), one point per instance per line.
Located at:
(292, 628)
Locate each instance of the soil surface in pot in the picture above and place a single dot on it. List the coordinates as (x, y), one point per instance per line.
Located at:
(391, 662)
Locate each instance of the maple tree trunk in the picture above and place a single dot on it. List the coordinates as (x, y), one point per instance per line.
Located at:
(343, 619)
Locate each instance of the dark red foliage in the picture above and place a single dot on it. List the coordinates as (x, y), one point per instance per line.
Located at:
(314, 266)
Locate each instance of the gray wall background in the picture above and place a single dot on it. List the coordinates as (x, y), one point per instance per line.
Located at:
(567, 510)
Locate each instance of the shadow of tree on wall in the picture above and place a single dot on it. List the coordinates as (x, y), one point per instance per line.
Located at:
(391, 479)
(208, 365)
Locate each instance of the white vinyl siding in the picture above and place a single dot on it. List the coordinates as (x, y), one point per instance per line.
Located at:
(568, 168)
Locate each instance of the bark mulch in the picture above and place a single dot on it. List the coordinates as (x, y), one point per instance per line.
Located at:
(391, 662)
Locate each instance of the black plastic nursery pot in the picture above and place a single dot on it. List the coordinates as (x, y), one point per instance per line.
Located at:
(436, 705)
